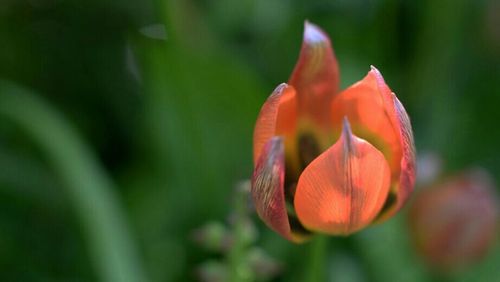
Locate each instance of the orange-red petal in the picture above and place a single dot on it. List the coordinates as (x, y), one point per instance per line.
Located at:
(343, 189)
(365, 105)
(316, 75)
(408, 167)
(268, 187)
(277, 117)
(379, 117)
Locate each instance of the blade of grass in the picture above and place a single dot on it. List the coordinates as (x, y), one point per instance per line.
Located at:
(87, 186)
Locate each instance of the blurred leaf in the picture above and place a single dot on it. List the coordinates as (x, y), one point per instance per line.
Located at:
(86, 183)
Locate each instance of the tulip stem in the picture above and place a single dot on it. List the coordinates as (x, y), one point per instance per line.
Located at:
(316, 271)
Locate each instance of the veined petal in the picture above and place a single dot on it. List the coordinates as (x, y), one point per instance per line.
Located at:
(316, 75)
(268, 187)
(379, 117)
(343, 189)
(407, 172)
(277, 117)
(407, 175)
(365, 106)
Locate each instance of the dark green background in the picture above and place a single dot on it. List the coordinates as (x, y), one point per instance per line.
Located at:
(161, 98)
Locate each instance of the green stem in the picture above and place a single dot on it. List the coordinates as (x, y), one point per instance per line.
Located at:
(239, 270)
(85, 182)
(317, 270)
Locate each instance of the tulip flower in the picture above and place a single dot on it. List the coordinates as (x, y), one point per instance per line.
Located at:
(326, 160)
(455, 222)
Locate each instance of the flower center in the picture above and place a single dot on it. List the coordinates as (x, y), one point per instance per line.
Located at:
(308, 149)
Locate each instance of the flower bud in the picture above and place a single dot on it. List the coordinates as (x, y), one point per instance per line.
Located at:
(454, 223)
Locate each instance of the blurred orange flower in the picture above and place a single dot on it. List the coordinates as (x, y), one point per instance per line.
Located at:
(454, 223)
(330, 161)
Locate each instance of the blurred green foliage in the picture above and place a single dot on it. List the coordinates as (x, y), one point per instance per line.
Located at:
(124, 125)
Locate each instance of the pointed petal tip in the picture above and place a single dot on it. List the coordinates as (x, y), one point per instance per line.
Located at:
(313, 34)
(373, 68)
(346, 127)
(347, 135)
(316, 74)
(378, 76)
(280, 87)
